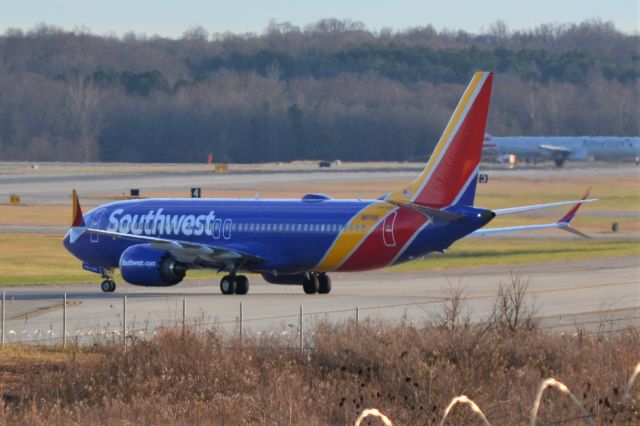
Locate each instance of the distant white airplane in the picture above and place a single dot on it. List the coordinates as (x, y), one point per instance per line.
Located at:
(562, 148)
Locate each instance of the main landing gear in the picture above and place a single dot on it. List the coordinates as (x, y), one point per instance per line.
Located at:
(316, 283)
(238, 284)
(108, 285)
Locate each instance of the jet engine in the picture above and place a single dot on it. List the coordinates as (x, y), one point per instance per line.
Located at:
(145, 265)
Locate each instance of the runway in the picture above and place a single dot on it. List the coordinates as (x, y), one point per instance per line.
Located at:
(601, 294)
(55, 188)
(567, 295)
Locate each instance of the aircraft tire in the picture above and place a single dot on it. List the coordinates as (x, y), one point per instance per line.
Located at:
(228, 285)
(324, 284)
(242, 284)
(108, 286)
(310, 285)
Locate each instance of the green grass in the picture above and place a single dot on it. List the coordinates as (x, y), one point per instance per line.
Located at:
(28, 259)
(41, 259)
(499, 251)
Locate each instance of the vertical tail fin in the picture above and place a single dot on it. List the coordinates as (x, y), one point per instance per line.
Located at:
(77, 219)
(451, 173)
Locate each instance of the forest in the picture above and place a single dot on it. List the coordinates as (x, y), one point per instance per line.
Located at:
(330, 90)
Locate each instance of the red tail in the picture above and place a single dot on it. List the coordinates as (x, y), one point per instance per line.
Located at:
(453, 166)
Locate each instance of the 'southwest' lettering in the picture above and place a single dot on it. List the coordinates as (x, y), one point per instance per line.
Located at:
(157, 223)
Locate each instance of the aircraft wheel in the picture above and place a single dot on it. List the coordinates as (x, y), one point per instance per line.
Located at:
(228, 285)
(559, 162)
(310, 285)
(242, 284)
(324, 284)
(108, 286)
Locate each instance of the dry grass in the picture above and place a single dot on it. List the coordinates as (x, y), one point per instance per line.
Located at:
(409, 372)
(616, 194)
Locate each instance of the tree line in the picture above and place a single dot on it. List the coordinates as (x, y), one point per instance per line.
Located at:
(331, 90)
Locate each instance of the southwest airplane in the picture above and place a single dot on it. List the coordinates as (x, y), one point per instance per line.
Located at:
(297, 242)
(562, 148)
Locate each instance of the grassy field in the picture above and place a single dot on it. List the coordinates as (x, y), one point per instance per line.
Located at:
(39, 259)
(34, 259)
(512, 251)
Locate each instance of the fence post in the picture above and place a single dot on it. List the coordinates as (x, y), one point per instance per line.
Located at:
(357, 315)
(184, 313)
(3, 299)
(64, 321)
(301, 331)
(124, 322)
(241, 320)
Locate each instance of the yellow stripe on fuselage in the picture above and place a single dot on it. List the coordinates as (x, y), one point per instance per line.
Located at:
(409, 192)
(352, 235)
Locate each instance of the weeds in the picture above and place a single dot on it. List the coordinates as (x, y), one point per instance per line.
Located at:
(410, 372)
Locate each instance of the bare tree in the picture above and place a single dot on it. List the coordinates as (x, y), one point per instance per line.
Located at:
(82, 102)
(510, 311)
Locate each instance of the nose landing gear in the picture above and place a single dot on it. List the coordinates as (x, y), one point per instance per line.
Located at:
(109, 284)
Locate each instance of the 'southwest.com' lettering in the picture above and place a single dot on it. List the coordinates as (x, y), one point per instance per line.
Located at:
(156, 223)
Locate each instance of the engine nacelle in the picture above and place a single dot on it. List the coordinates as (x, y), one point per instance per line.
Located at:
(145, 265)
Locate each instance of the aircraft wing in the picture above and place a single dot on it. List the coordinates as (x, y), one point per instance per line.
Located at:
(562, 223)
(558, 225)
(184, 251)
(521, 209)
(555, 149)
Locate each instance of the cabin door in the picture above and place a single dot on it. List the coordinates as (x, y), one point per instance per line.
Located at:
(95, 224)
(387, 229)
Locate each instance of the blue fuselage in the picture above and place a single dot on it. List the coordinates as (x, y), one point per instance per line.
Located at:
(286, 236)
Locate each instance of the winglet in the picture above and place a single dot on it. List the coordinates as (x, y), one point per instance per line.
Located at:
(571, 213)
(76, 219)
(563, 223)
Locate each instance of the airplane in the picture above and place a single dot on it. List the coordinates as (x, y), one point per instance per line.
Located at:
(562, 148)
(154, 242)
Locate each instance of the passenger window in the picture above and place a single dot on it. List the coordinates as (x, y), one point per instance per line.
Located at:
(226, 229)
(217, 224)
(322, 228)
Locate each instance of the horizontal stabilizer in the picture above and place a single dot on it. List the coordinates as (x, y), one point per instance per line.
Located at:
(430, 212)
